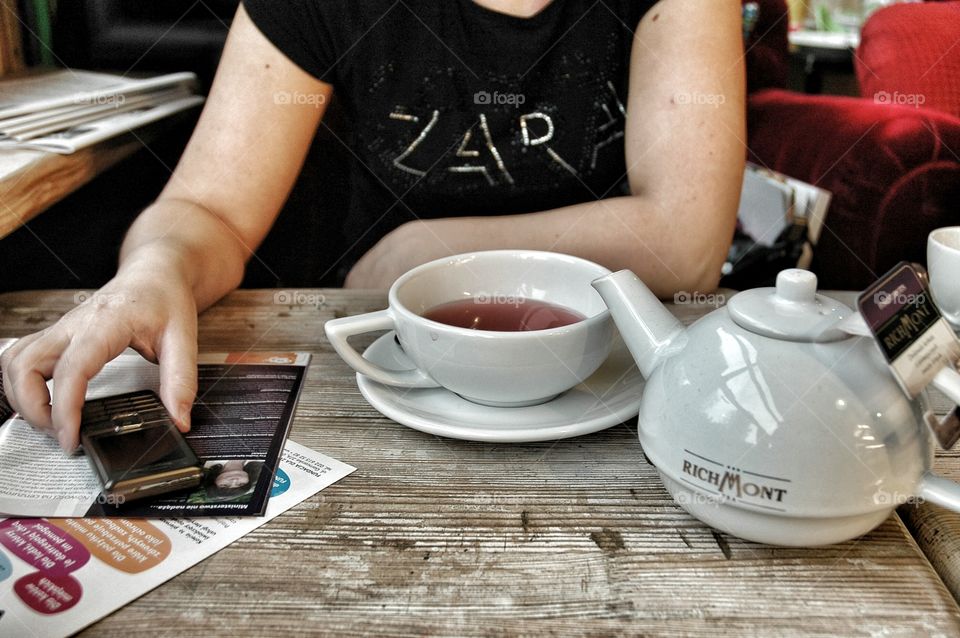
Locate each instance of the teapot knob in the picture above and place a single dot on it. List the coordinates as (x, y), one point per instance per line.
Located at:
(792, 310)
(795, 284)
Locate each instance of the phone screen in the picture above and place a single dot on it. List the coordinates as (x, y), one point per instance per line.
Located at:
(139, 449)
(135, 447)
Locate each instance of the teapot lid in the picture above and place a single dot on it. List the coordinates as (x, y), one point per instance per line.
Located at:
(792, 311)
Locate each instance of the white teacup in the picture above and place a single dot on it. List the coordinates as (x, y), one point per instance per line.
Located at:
(498, 368)
(943, 266)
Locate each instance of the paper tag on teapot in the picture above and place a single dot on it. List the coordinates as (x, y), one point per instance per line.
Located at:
(915, 339)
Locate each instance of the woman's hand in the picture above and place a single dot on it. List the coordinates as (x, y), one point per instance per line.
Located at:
(153, 313)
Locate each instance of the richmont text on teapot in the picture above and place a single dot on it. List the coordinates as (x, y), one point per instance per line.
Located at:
(732, 483)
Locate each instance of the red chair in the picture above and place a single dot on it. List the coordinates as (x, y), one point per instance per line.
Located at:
(891, 158)
(909, 55)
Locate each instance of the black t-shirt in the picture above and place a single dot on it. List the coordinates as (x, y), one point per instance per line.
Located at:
(454, 109)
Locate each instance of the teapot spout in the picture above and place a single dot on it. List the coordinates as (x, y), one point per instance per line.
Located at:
(651, 332)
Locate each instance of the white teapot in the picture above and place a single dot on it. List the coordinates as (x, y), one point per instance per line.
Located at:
(766, 420)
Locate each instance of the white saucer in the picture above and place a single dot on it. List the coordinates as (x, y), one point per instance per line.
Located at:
(610, 396)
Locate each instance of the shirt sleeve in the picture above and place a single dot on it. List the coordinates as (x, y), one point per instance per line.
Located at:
(299, 29)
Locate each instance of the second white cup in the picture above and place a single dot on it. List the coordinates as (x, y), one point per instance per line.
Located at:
(943, 266)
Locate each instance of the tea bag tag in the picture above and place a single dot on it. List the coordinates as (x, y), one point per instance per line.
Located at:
(917, 342)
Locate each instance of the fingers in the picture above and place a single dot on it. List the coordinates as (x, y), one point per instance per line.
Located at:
(26, 367)
(81, 361)
(178, 370)
(69, 392)
(75, 349)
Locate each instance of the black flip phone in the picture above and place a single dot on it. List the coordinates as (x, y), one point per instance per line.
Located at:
(135, 447)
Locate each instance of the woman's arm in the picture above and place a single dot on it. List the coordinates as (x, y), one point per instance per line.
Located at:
(238, 168)
(186, 250)
(685, 136)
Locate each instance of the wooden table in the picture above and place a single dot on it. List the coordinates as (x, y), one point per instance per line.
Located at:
(938, 530)
(436, 536)
(11, 46)
(32, 181)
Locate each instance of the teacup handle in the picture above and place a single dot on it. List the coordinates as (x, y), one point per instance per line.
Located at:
(339, 330)
(940, 491)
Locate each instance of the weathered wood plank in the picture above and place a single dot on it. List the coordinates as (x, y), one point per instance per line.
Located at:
(437, 536)
(32, 181)
(936, 529)
(11, 45)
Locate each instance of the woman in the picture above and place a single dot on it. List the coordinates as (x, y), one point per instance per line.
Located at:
(609, 129)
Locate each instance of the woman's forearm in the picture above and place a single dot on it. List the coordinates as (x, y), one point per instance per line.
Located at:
(662, 247)
(184, 241)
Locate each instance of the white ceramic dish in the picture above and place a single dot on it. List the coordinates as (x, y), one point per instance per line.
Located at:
(497, 368)
(943, 264)
(768, 420)
(610, 396)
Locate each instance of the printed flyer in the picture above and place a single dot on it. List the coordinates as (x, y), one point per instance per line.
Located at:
(240, 421)
(58, 575)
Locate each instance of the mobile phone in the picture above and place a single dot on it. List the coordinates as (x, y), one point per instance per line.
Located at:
(135, 447)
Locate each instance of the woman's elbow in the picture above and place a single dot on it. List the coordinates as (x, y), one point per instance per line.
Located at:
(696, 276)
(687, 266)
(678, 277)
(698, 257)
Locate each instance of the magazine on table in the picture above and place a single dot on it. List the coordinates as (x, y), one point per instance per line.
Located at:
(239, 423)
(58, 575)
(63, 568)
(37, 93)
(64, 111)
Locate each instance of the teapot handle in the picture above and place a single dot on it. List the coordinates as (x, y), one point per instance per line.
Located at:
(933, 488)
(948, 382)
(940, 491)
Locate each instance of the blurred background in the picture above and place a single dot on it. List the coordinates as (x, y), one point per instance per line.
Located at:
(860, 98)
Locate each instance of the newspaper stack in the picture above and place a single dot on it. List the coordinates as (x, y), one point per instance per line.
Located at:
(67, 110)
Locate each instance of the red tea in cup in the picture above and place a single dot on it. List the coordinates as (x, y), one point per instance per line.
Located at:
(512, 314)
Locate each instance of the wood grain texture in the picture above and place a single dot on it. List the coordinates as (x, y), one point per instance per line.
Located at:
(440, 537)
(11, 44)
(936, 529)
(32, 181)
